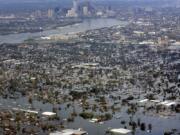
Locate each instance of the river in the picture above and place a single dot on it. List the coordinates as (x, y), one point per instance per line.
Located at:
(87, 24)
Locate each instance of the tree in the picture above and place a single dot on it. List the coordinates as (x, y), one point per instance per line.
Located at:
(149, 127)
(143, 126)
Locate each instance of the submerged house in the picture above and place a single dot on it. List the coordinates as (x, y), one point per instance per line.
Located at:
(70, 132)
(119, 131)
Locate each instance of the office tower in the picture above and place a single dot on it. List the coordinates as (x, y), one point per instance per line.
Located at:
(50, 13)
(38, 14)
(85, 11)
(75, 5)
(73, 12)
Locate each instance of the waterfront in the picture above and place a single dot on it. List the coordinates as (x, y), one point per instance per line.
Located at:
(87, 24)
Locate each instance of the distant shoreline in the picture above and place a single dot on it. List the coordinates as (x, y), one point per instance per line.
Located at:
(38, 30)
(87, 24)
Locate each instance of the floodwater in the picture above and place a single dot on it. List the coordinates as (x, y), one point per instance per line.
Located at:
(159, 124)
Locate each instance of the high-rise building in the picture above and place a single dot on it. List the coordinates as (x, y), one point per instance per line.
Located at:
(38, 14)
(85, 11)
(73, 12)
(50, 13)
(75, 5)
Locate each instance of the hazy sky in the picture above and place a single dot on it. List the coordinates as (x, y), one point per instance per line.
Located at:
(60, 0)
(30, 0)
(27, 0)
(55, 1)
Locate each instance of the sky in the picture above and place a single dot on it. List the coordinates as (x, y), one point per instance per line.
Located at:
(19, 2)
(21, 5)
(24, 1)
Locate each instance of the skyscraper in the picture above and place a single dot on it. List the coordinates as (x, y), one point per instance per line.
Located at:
(75, 5)
(50, 13)
(73, 12)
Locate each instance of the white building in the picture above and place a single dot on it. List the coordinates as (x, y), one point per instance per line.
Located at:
(85, 11)
(70, 132)
(71, 13)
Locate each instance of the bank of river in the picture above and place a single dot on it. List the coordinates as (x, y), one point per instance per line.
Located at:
(88, 24)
